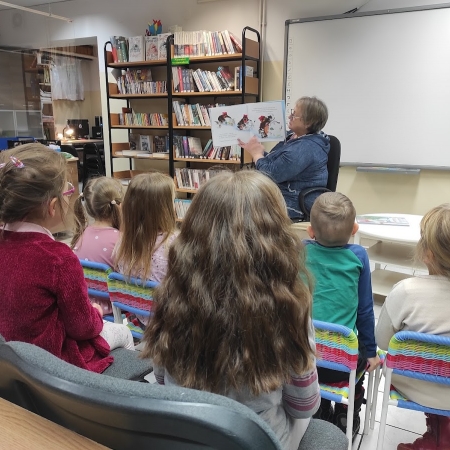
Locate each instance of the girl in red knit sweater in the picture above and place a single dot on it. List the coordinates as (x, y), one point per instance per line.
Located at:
(44, 294)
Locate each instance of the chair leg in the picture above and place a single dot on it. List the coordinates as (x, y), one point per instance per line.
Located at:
(384, 409)
(368, 414)
(378, 376)
(351, 408)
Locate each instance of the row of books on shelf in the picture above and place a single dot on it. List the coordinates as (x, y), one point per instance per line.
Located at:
(139, 48)
(139, 81)
(181, 207)
(191, 147)
(205, 43)
(190, 80)
(130, 118)
(186, 43)
(142, 143)
(192, 115)
(194, 178)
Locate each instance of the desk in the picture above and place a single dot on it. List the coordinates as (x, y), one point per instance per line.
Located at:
(23, 430)
(395, 246)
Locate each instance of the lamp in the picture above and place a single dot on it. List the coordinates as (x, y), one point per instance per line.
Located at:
(67, 132)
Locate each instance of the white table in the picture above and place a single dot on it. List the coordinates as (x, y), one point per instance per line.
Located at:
(395, 247)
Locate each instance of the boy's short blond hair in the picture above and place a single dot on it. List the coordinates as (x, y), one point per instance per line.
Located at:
(332, 219)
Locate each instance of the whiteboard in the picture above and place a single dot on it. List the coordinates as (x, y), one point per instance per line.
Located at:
(385, 79)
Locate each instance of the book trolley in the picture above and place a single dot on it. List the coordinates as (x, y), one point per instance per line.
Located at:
(160, 105)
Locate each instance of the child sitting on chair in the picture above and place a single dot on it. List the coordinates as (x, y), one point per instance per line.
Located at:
(342, 292)
(102, 198)
(44, 294)
(421, 304)
(148, 229)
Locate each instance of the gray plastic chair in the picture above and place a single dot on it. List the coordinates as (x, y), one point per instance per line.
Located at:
(124, 415)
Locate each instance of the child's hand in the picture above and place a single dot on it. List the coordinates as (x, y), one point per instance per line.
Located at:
(98, 308)
(373, 363)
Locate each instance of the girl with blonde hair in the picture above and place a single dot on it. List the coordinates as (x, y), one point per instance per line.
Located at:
(232, 315)
(102, 199)
(148, 228)
(421, 304)
(44, 294)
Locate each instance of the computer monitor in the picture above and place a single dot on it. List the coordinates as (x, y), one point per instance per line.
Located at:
(80, 128)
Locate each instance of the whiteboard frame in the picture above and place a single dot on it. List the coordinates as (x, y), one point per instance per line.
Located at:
(349, 16)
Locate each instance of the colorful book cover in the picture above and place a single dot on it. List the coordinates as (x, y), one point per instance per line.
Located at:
(265, 120)
(382, 220)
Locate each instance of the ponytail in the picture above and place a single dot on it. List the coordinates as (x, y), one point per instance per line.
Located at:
(81, 221)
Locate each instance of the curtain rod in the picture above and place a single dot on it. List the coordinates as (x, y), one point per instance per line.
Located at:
(35, 11)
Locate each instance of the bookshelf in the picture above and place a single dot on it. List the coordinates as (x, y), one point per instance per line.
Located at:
(163, 70)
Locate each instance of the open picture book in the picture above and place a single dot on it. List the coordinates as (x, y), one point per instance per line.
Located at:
(265, 120)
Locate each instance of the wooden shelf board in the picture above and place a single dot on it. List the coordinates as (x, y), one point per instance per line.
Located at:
(187, 127)
(210, 94)
(136, 127)
(212, 161)
(394, 254)
(384, 280)
(131, 96)
(188, 191)
(124, 65)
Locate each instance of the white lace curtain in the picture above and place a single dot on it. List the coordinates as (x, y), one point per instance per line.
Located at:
(66, 79)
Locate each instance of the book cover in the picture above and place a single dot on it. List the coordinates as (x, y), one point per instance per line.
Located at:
(195, 146)
(151, 48)
(382, 220)
(265, 120)
(135, 141)
(145, 143)
(162, 41)
(136, 48)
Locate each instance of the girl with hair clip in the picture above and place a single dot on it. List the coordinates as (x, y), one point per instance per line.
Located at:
(233, 314)
(102, 198)
(148, 228)
(44, 294)
(421, 304)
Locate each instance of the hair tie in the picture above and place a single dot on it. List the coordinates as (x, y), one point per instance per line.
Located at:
(81, 195)
(17, 162)
(113, 202)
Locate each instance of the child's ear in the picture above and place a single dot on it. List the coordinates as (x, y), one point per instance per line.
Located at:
(310, 232)
(52, 207)
(355, 228)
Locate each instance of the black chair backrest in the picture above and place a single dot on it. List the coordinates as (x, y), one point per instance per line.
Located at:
(124, 414)
(334, 158)
(69, 149)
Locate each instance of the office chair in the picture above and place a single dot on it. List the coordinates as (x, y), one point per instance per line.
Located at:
(93, 162)
(133, 296)
(334, 158)
(419, 356)
(125, 415)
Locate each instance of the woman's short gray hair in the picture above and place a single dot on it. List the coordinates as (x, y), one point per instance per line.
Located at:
(314, 113)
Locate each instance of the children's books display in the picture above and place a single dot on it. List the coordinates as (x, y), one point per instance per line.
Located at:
(265, 120)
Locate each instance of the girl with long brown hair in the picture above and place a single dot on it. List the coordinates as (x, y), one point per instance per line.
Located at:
(148, 228)
(232, 315)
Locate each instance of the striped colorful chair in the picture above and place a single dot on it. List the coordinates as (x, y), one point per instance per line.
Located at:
(415, 355)
(337, 349)
(132, 296)
(96, 276)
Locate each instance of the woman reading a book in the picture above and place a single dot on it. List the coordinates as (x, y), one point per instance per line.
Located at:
(232, 315)
(300, 161)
